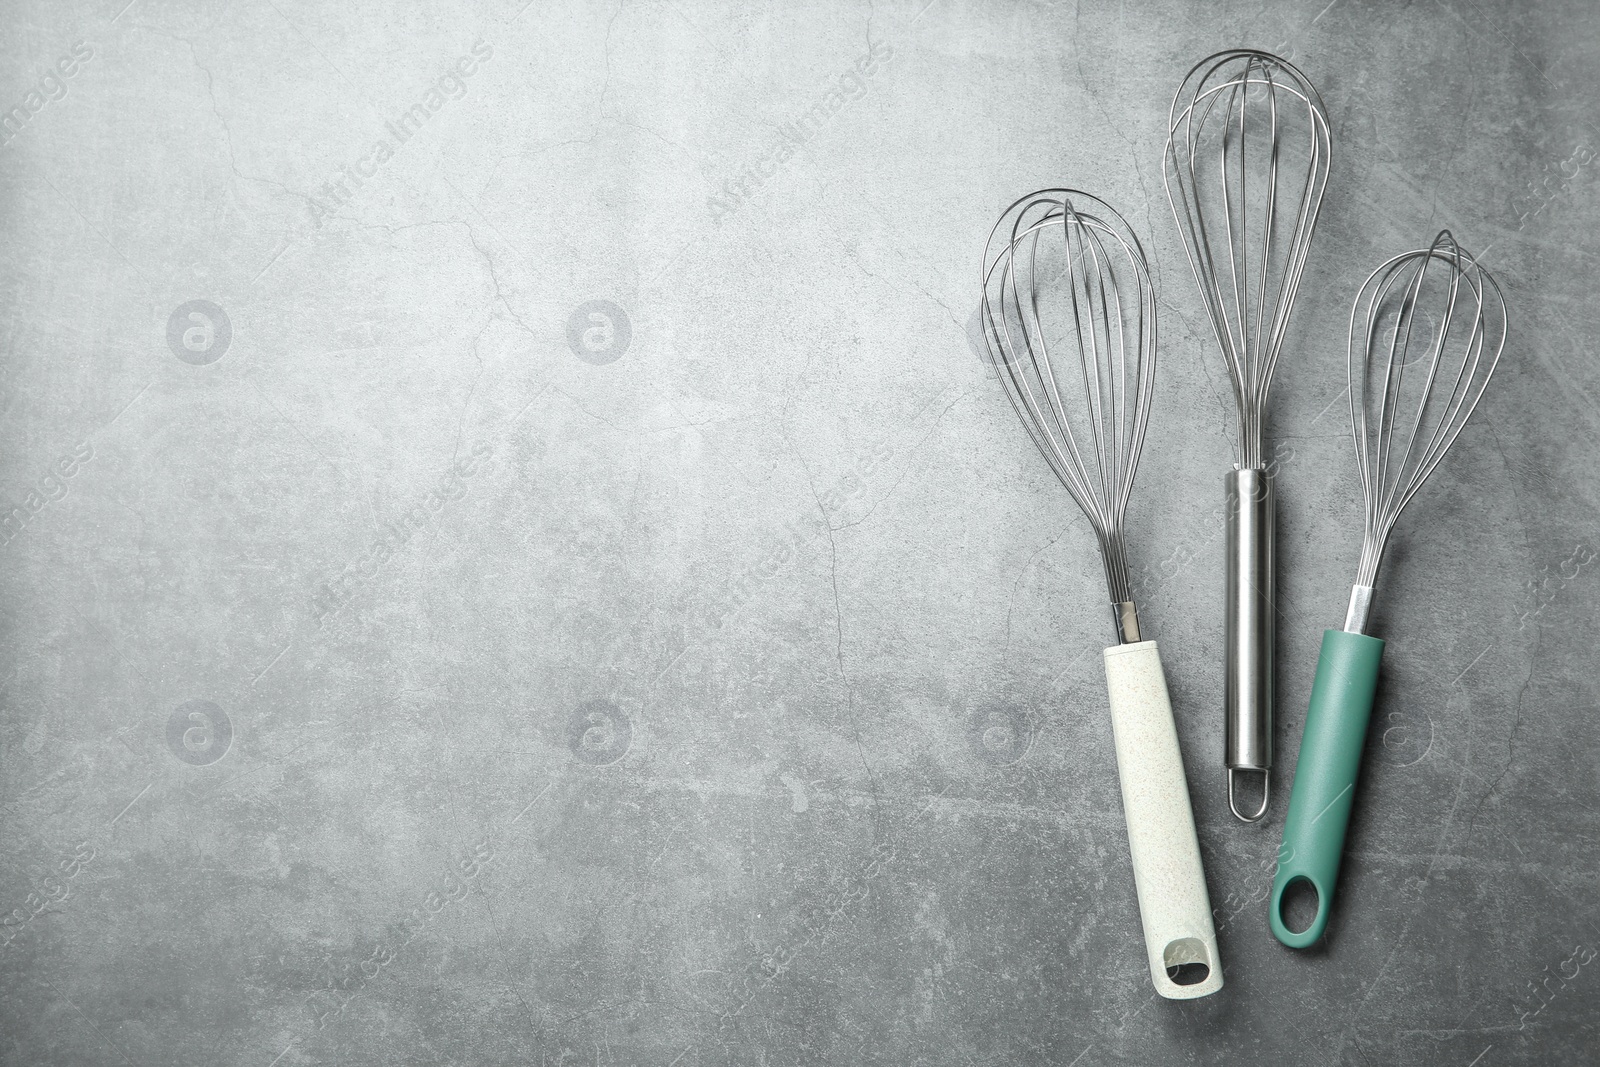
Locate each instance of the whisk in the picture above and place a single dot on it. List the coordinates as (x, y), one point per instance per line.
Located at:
(1426, 333)
(1069, 315)
(1246, 166)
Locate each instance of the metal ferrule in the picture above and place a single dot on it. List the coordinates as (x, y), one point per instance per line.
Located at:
(1126, 616)
(1355, 617)
(1252, 508)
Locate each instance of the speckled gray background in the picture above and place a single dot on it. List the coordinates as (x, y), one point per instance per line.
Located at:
(574, 610)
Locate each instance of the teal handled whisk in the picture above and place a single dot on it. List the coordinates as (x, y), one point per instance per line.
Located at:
(1426, 332)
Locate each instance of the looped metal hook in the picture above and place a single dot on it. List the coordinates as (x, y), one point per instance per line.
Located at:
(1266, 790)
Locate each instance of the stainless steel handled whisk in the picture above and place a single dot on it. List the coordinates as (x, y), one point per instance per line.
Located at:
(1069, 314)
(1246, 167)
(1426, 333)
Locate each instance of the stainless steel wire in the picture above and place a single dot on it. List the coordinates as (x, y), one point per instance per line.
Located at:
(1246, 166)
(1070, 317)
(1426, 332)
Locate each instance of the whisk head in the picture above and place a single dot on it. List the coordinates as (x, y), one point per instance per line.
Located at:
(1070, 318)
(1246, 166)
(1426, 332)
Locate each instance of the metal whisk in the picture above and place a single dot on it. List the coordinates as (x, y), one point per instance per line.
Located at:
(1426, 332)
(1246, 167)
(1070, 318)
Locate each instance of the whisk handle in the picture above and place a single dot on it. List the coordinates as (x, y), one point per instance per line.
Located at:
(1325, 777)
(1247, 689)
(1174, 907)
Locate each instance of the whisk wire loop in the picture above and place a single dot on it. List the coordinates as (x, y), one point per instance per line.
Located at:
(1217, 114)
(1070, 319)
(1406, 323)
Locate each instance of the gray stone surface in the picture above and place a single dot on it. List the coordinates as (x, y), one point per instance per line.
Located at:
(711, 675)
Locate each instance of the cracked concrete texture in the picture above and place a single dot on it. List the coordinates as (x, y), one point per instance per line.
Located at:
(530, 597)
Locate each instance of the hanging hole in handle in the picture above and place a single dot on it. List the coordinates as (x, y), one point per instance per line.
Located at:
(1299, 904)
(1186, 961)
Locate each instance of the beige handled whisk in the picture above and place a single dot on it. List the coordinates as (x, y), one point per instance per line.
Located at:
(1070, 318)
